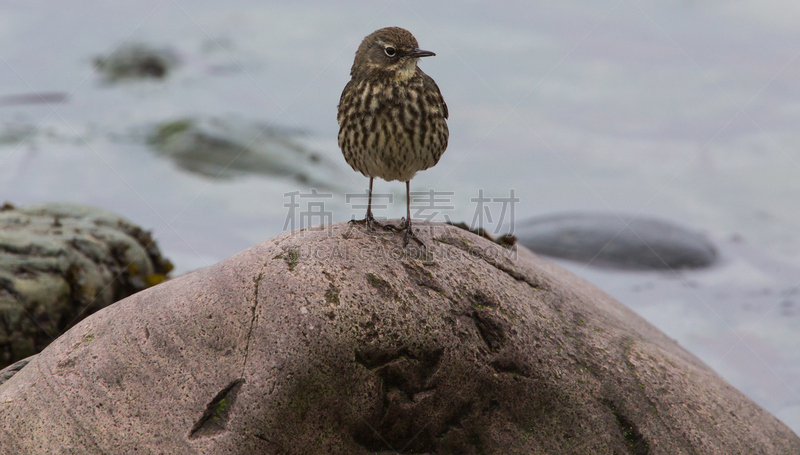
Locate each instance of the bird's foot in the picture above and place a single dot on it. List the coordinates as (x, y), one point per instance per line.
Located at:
(405, 225)
(369, 221)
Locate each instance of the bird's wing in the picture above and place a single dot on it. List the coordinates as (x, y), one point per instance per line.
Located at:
(431, 87)
(345, 93)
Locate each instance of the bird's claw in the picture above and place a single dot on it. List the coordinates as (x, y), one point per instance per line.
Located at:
(393, 228)
(368, 221)
(406, 226)
(410, 234)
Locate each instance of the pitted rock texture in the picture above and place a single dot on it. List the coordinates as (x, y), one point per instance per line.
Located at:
(341, 341)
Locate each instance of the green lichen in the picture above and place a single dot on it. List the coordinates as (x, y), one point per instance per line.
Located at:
(217, 412)
(382, 286)
(169, 129)
(221, 408)
(332, 295)
(292, 259)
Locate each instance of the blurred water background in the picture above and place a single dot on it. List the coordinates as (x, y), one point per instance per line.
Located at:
(682, 110)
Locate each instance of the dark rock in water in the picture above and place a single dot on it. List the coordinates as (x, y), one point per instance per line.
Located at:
(342, 341)
(618, 241)
(224, 149)
(136, 61)
(60, 263)
(13, 134)
(33, 98)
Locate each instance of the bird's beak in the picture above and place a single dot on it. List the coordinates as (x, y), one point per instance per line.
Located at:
(417, 53)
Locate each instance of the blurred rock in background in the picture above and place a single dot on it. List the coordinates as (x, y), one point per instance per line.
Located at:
(226, 148)
(617, 241)
(136, 61)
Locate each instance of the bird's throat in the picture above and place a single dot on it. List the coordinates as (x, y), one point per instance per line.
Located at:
(406, 71)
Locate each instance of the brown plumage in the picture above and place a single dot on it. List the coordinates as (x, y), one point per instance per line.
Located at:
(392, 117)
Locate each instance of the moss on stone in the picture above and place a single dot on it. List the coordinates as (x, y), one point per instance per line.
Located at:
(332, 295)
(166, 130)
(292, 259)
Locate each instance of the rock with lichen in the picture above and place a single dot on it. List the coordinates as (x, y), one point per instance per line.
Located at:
(60, 263)
(221, 149)
(342, 341)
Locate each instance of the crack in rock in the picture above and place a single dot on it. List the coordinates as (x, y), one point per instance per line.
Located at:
(491, 260)
(217, 413)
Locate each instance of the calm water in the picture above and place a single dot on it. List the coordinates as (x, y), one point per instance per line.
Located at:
(682, 110)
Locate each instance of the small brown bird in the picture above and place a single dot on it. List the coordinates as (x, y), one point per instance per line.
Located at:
(392, 117)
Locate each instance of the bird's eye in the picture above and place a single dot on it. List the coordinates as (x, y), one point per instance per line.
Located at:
(390, 51)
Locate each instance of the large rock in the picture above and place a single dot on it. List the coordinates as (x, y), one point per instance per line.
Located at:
(617, 241)
(59, 263)
(344, 342)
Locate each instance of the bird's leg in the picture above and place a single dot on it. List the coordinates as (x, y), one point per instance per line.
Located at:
(407, 224)
(369, 220)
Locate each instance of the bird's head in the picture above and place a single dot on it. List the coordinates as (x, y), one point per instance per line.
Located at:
(389, 52)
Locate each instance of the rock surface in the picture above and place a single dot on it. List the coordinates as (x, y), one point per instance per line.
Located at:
(617, 241)
(59, 263)
(343, 342)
